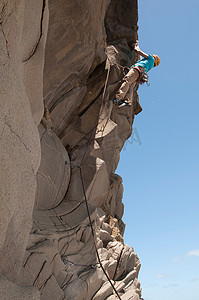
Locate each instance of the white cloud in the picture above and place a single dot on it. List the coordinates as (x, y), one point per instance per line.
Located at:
(174, 274)
(171, 285)
(190, 253)
(151, 285)
(166, 276)
(177, 259)
(158, 276)
(194, 279)
(193, 253)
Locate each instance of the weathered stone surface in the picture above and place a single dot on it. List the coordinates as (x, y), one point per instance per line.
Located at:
(121, 20)
(70, 61)
(34, 42)
(65, 110)
(10, 291)
(96, 179)
(106, 137)
(53, 175)
(104, 291)
(20, 147)
(76, 55)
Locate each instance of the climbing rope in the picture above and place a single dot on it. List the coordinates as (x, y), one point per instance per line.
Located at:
(122, 67)
(79, 166)
(96, 122)
(85, 197)
(124, 73)
(118, 262)
(93, 235)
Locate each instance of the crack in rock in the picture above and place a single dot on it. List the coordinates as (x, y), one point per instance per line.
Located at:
(7, 49)
(2, 11)
(17, 136)
(41, 33)
(42, 267)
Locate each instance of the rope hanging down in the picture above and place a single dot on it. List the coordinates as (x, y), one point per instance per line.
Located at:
(79, 166)
(96, 122)
(85, 197)
(93, 235)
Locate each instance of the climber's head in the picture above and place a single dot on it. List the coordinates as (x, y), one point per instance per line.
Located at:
(157, 60)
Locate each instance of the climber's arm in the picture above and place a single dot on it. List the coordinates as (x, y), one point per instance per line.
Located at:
(140, 52)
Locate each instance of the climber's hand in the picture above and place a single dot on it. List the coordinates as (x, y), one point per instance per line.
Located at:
(137, 49)
(136, 46)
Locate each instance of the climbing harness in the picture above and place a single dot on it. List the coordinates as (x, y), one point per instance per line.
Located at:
(143, 76)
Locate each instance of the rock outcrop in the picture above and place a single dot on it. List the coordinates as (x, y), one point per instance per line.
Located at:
(61, 137)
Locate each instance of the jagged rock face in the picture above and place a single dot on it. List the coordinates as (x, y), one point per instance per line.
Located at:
(121, 21)
(20, 112)
(75, 46)
(75, 51)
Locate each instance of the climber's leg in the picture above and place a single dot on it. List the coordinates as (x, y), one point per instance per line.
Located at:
(130, 79)
(123, 90)
(129, 95)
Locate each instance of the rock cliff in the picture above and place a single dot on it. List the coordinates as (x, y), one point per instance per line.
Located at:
(61, 136)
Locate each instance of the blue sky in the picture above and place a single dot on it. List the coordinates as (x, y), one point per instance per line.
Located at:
(161, 170)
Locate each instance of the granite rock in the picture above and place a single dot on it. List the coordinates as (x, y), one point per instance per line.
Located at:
(61, 136)
(53, 175)
(20, 112)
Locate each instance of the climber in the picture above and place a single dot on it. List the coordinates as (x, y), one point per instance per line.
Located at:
(136, 74)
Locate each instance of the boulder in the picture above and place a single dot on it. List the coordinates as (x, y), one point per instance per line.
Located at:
(53, 175)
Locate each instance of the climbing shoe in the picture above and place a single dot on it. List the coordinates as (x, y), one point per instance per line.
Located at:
(124, 103)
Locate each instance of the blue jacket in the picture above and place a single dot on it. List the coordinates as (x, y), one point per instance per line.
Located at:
(146, 63)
